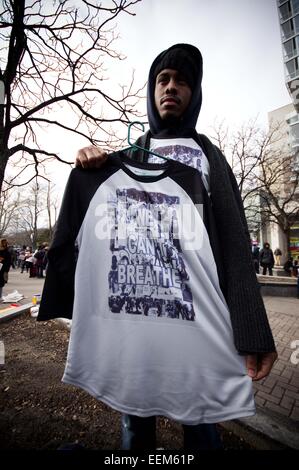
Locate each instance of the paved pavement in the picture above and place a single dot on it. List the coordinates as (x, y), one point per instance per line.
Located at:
(277, 396)
(276, 424)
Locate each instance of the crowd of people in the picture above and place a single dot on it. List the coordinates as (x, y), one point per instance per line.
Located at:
(33, 262)
(266, 259)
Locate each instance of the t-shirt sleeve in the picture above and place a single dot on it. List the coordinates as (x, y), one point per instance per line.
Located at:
(58, 292)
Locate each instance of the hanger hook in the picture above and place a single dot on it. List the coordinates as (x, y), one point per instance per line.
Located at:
(134, 146)
(129, 131)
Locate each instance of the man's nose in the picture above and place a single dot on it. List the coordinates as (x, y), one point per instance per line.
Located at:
(171, 87)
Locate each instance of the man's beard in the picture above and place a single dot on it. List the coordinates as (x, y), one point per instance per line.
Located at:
(171, 121)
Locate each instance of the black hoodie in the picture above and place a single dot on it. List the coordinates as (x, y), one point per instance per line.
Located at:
(186, 126)
(252, 332)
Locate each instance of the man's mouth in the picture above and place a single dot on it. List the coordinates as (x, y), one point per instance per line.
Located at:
(170, 100)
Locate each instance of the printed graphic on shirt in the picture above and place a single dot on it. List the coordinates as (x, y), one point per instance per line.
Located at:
(148, 274)
(186, 155)
(183, 150)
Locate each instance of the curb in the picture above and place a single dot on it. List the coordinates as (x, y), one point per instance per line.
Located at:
(15, 312)
(266, 431)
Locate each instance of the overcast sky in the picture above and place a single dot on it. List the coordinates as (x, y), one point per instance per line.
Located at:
(243, 75)
(240, 42)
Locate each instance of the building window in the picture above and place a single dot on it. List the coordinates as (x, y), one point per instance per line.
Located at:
(296, 23)
(292, 68)
(293, 119)
(295, 133)
(290, 48)
(295, 6)
(287, 29)
(285, 11)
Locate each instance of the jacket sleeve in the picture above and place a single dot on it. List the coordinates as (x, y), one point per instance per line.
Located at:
(251, 329)
(261, 331)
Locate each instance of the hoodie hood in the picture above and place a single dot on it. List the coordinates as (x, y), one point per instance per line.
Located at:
(189, 118)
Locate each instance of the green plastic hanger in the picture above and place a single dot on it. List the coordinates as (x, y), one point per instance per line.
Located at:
(134, 146)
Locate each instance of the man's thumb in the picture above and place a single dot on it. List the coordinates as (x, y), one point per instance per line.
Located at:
(251, 364)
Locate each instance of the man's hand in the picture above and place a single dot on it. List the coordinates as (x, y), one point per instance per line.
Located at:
(260, 365)
(91, 157)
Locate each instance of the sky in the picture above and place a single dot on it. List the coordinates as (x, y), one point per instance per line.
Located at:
(243, 75)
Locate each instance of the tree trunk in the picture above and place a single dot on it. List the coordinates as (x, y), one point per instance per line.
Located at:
(3, 162)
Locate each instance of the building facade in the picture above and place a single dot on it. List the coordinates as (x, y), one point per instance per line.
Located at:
(282, 149)
(288, 118)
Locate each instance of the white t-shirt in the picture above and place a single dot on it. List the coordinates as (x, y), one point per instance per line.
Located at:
(151, 331)
(184, 150)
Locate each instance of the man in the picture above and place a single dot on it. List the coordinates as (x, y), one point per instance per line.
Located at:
(267, 259)
(256, 258)
(277, 255)
(196, 370)
(5, 263)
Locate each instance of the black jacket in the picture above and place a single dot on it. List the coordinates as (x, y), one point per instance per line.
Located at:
(266, 257)
(252, 333)
(5, 260)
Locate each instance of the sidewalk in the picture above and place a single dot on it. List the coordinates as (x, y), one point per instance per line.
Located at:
(24, 285)
(276, 424)
(277, 396)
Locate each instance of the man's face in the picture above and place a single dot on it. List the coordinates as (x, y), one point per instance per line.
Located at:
(172, 94)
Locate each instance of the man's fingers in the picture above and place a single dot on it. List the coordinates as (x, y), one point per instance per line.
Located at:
(81, 160)
(251, 364)
(90, 157)
(265, 365)
(100, 159)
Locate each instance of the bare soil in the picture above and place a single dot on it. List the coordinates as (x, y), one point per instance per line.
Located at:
(38, 411)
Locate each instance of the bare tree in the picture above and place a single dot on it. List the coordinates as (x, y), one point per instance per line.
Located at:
(266, 172)
(52, 56)
(30, 210)
(9, 203)
(279, 191)
(52, 205)
(24, 214)
(243, 148)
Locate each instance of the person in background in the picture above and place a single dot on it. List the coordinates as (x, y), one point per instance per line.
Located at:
(5, 262)
(295, 268)
(30, 265)
(46, 248)
(39, 261)
(256, 258)
(22, 258)
(277, 255)
(267, 259)
(288, 265)
(13, 256)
